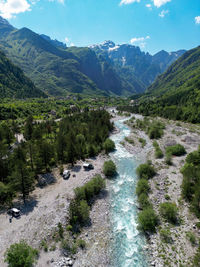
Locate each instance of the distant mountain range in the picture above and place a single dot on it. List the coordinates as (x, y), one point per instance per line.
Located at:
(104, 69)
(130, 62)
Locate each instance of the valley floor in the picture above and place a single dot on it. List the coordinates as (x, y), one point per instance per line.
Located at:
(49, 206)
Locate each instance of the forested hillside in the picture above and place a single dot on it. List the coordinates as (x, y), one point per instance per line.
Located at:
(58, 70)
(13, 82)
(176, 93)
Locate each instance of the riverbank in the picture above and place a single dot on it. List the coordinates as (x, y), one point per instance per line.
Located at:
(166, 186)
(46, 208)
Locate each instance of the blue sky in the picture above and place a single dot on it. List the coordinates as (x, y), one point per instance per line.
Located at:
(151, 24)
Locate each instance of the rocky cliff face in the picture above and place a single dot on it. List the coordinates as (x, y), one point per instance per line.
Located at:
(143, 65)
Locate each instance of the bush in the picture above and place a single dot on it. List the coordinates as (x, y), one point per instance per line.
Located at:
(142, 187)
(108, 145)
(60, 230)
(145, 171)
(129, 140)
(44, 245)
(148, 220)
(90, 189)
(143, 200)
(81, 243)
(21, 254)
(191, 237)
(165, 235)
(168, 159)
(155, 131)
(109, 168)
(169, 211)
(142, 141)
(196, 259)
(69, 228)
(158, 151)
(65, 245)
(176, 150)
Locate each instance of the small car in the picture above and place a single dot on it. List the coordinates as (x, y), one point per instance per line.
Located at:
(14, 212)
(88, 166)
(66, 174)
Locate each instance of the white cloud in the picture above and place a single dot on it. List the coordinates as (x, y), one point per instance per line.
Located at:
(159, 3)
(163, 13)
(59, 1)
(197, 20)
(10, 8)
(127, 2)
(140, 41)
(72, 44)
(67, 40)
(149, 6)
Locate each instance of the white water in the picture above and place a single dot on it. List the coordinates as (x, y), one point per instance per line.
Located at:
(128, 242)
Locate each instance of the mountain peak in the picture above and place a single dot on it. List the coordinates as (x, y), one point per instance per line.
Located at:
(4, 21)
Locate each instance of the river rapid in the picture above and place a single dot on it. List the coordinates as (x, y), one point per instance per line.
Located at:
(127, 246)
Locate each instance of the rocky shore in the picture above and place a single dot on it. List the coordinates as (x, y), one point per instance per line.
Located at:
(167, 184)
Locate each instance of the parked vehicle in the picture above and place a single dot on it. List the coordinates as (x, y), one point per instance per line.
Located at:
(14, 212)
(66, 174)
(88, 166)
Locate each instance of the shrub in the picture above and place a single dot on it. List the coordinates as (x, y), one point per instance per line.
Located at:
(90, 189)
(155, 131)
(167, 197)
(108, 145)
(176, 150)
(142, 187)
(143, 200)
(129, 140)
(191, 237)
(196, 259)
(65, 245)
(145, 171)
(169, 211)
(21, 254)
(158, 151)
(142, 141)
(44, 245)
(69, 228)
(60, 230)
(109, 168)
(165, 235)
(148, 220)
(81, 243)
(168, 159)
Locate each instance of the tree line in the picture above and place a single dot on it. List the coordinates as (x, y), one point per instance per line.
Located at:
(48, 144)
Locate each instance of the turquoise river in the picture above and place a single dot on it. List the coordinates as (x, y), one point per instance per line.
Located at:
(127, 248)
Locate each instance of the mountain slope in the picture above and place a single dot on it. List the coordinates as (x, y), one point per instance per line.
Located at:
(181, 76)
(58, 70)
(176, 93)
(13, 83)
(101, 71)
(140, 64)
(53, 70)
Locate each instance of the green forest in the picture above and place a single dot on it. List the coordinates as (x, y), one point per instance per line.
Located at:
(47, 144)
